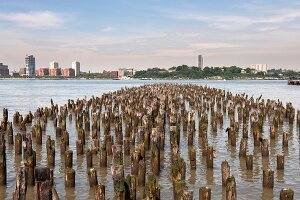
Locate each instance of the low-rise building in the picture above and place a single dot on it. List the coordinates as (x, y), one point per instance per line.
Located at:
(55, 72)
(110, 74)
(22, 71)
(42, 72)
(68, 72)
(4, 71)
(123, 72)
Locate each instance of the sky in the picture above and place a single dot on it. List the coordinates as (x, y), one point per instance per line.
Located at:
(107, 35)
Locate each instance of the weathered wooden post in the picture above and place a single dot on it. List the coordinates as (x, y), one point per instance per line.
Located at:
(204, 193)
(68, 159)
(192, 154)
(268, 178)
(50, 145)
(119, 182)
(265, 148)
(225, 170)
(141, 173)
(249, 162)
(10, 133)
(286, 194)
(103, 156)
(18, 144)
(92, 174)
(79, 147)
(131, 183)
(285, 139)
(21, 185)
(100, 192)
(69, 177)
(243, 147)
(3, 175)
(231, 189)
(280, 162)
(43, 185)
(210, 158)
(89, 159)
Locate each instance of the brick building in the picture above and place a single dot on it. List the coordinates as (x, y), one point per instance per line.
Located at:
(68, 72)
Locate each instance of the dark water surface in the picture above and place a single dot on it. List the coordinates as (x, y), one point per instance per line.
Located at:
(27, 95)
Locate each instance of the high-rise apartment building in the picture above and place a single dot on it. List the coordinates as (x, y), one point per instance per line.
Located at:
(30, 65)
(76, 67)
(260, 67)
(53, 65)
(4, 71)
(200, 61)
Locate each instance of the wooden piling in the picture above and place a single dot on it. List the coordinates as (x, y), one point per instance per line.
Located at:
(268, 178)
(286, 194)
(204, 193)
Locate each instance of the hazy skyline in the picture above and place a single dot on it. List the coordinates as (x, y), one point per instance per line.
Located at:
(150, 33)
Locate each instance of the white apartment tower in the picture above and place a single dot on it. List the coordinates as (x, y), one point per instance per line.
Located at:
(76, 67)
(53, 65)
(30, 65)
(200, 61)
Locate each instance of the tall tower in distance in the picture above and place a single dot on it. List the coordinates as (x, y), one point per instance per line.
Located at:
(76, 67)
(200, 61)
(30, 65)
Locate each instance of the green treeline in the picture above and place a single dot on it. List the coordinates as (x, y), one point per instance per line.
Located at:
(233, 72)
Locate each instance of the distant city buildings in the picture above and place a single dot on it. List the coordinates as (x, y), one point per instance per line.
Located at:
(4, 71)
(126, 73)
(30, 65)
(260, 67)
(110, 74)
(68, 72)
(22, 71)
(53, 65)
(42, 72)
(76, 67)
(200, 61)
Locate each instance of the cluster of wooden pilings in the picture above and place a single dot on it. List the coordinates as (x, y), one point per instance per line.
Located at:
(133, 122)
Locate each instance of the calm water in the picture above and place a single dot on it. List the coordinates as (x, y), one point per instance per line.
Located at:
(26, 95)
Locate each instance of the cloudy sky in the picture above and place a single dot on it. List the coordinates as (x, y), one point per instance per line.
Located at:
(150, 33)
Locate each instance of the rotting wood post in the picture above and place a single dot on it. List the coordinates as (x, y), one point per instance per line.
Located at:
(210, 158)
(92, 174)
(141, 173)
(43, 185)
(285, 139)
(103, 156)
(100, 192)
(231, 189)
(268, 178)
(79, 147)
(69, 177)
(249, 162)
(280, 162)
(193, 162)
(265, 148)
(18, 144)
(3, 169)
(204, 193)
(243, 147)
(89, 159)
(286, 194)
(68, 159)
(21, 185)
(225, 170)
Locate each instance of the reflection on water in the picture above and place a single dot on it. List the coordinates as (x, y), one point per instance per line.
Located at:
(249, 183)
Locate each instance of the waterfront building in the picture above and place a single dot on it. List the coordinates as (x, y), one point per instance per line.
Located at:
(4, 71)
(22, 71)
(260, 67)
(200, 61)
(68, 72)
(53, 65)
(123, 72)
(55, 72)
(42, 72)
(76, 67)
(30, 65)
(110, 74)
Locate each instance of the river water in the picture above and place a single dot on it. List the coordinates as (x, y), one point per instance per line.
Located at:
(28, 95)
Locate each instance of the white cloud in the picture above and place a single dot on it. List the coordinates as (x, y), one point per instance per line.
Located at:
(107, 29)
(38, 20)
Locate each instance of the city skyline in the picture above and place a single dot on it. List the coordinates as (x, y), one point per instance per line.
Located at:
(150, 33)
